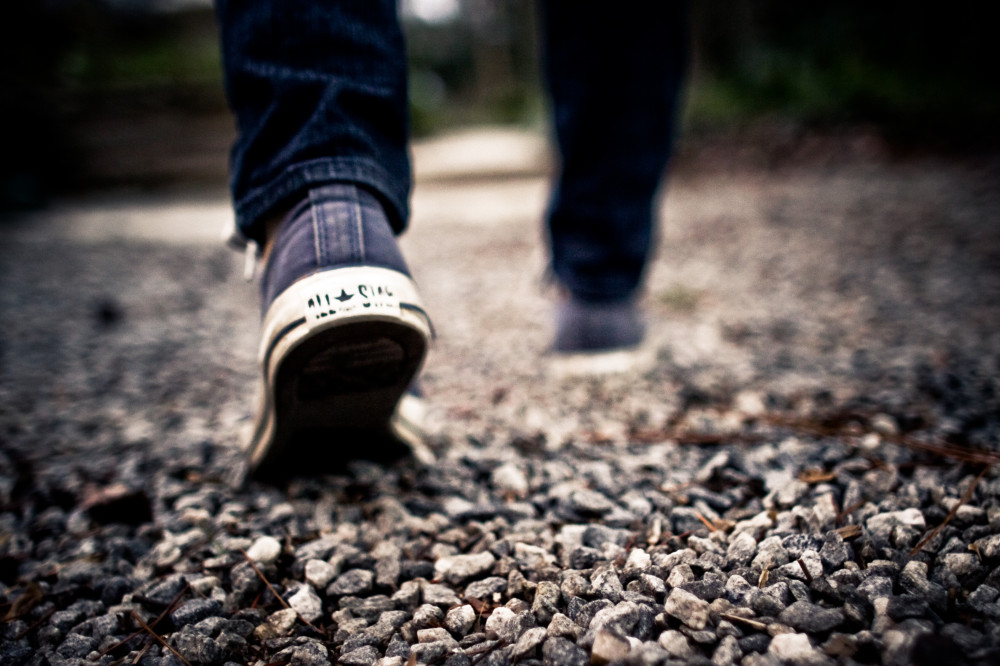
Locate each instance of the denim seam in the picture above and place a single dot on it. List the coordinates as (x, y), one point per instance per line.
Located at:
(371, 83)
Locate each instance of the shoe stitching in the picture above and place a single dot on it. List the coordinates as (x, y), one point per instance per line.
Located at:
(360, 229)
(319, 235)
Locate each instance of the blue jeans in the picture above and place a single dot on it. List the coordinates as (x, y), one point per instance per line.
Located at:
(319, 92)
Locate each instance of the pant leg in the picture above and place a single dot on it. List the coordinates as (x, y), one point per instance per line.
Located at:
(614, 72)
(318, 88)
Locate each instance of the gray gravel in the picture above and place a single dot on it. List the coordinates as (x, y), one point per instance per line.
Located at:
(752, 493)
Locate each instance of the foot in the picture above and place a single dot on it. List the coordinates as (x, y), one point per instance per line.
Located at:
(584, 327)
(344, 334)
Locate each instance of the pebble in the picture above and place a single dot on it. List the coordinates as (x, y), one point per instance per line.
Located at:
(460, 568)
(687, 608)
(265, 550)
(307, 603)
(460, 620)
(319, 573)
(609, 647)
(352, 582)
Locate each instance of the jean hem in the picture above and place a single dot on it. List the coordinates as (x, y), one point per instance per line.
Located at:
(294, 182)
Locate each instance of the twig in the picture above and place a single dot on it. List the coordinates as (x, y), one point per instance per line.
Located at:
(277, 596)
(710, 526)
(966, 496)
(759, 626)
(159, 618)
(849, 510)
(260, 575)
(805, 570)
(159, 639)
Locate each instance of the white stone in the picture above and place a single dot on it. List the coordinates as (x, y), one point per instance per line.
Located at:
(608, 647)
(264, 550)
(509, 478)
(497, 619)
(307, 603)
(793, 647)
(320, 573)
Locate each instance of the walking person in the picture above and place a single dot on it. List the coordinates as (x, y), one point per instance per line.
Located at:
(321, 182)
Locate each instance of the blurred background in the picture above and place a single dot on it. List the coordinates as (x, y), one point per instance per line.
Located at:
(101, 94)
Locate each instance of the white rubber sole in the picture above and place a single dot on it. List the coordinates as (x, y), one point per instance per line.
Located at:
(338, 350)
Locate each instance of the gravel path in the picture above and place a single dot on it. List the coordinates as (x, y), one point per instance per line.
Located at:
(819, 395)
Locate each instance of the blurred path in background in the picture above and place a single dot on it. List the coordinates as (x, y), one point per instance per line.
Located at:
(836, 275)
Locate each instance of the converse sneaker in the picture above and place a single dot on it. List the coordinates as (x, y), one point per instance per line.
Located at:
(343, 335)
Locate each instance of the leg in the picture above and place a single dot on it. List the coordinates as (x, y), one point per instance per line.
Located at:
(319, 91)
(614, 77)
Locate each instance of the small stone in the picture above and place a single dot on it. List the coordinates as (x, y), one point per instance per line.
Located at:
(727, 653)
(307, 603)
(687, 608)
(792, 647)
(561, 625)
(279, 623)
(320, 573)
(430, 653)
(638, 560)
(840, 645)
(649, 585)
(960, 564)
(590, 502)
(528, 642)
(741, 549)
(196, 610)
(264, 550)
(352, 582)
(560, 651)
(362, 656)
(496, 621)
(486, 589)
(882, 524)
(607, 584)
(509, 478)
(810, 618)
(906, 606)
(460, 568)
(428, 615)
(546, 602)
(807, 567)
(460, 620)
(440, 595)
(676, 644)
(195, 647)
(432, 635)
(609, 647)
(876, 587)
(989, 547)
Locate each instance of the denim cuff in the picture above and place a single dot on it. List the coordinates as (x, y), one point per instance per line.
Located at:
(293, 184)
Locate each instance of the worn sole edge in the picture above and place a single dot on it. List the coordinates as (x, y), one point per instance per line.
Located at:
(286, 326)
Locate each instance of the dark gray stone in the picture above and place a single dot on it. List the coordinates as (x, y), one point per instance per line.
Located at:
(194, 611)
(561, 652)
(810, 618)
(362, 656)
(354, 581)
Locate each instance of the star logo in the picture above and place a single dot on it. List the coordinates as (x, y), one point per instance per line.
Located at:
(344, 296)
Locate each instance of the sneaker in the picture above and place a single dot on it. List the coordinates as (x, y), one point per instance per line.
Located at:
(343, 335)
(584, 327)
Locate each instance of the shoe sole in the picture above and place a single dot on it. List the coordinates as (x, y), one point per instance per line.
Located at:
(338, 351)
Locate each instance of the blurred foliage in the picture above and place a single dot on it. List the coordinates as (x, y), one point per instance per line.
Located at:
(918, 73)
